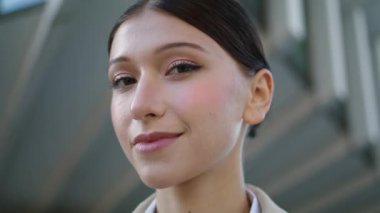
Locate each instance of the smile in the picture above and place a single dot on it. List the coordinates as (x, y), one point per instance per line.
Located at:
(154, 141)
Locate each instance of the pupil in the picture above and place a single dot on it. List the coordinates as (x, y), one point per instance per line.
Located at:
(127, 81)
(184, 68)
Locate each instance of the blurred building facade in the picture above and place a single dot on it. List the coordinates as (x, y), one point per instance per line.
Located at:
(318, 150)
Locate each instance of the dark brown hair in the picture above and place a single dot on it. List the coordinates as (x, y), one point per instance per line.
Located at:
(225, 21)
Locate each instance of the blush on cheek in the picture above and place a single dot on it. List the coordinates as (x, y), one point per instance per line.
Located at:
(203, 96)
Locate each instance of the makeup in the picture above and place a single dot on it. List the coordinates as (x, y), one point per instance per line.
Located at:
(154, 141)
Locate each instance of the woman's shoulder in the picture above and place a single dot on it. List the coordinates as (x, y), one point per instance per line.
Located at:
(265, 202)
(143, 206)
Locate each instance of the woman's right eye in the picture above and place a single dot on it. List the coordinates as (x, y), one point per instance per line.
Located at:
(123, 82)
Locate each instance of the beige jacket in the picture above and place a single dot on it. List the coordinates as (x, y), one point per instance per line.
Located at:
(266, 204)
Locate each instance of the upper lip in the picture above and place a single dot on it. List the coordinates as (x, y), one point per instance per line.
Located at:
(154, 136)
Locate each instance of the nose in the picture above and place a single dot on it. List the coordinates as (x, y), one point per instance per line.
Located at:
(147, 102)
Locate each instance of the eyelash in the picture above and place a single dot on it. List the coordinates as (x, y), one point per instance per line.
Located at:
(186, 65)
(182, 64)
(123, 79)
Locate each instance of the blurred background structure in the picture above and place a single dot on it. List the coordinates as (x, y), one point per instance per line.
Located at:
(318, 151)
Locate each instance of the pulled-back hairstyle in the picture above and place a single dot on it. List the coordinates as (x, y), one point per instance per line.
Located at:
(225, 21)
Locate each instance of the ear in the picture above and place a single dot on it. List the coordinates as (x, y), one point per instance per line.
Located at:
(260, 98)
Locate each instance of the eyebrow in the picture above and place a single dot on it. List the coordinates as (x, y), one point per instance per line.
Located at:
(160, 49)
(118, 60)
(178, 45)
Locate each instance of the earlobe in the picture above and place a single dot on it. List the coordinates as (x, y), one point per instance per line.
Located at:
(260, 98)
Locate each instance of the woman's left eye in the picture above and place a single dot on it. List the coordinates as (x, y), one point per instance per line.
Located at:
(182, 67)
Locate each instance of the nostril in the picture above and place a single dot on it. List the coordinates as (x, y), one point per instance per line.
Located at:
(150, 115)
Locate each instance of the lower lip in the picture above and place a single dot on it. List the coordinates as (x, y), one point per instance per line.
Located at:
(155, 145)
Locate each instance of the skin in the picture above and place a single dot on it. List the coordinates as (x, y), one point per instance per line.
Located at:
(210, 101)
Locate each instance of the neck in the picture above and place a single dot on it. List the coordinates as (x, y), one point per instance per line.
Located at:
(220, 189)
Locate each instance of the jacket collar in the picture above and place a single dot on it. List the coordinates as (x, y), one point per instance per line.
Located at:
(266, 203)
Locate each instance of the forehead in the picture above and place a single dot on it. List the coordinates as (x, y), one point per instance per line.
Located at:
(150, 29)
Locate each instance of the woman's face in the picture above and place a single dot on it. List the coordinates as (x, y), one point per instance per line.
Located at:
(178, 98)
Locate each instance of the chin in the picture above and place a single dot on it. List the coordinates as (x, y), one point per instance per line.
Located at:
(156, 182)
(157, 178)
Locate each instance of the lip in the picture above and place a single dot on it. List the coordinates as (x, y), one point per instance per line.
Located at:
(154, 141)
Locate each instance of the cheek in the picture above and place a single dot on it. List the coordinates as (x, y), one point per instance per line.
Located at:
(116, 112)
(209, 108)
(202, 97)
(212, 113)
(120, 119)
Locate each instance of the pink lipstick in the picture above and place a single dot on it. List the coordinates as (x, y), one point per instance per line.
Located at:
(154, 141)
